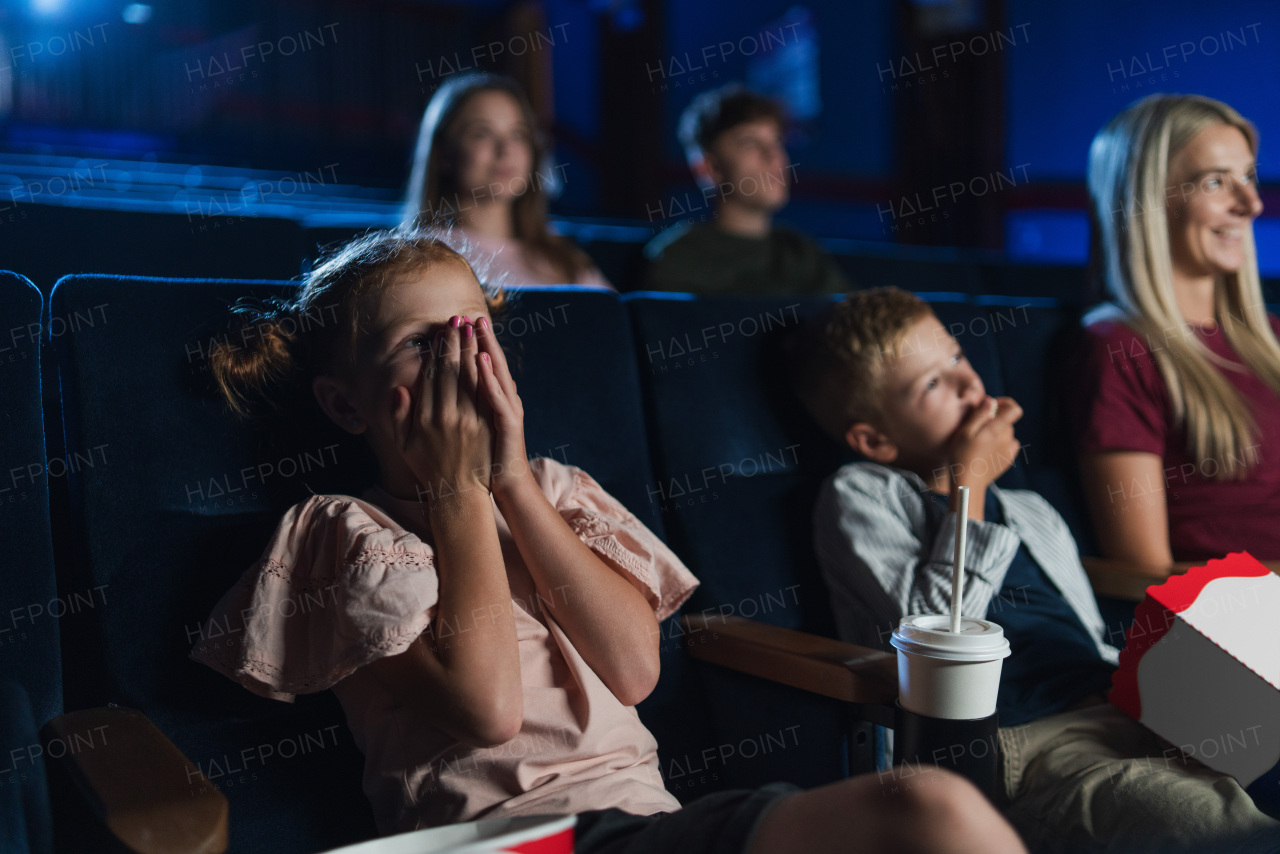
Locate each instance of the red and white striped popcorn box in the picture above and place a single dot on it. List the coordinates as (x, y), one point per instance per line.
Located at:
(531, 835)
(1201, 669)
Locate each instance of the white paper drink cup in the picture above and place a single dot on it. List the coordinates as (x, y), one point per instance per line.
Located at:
(946, 675)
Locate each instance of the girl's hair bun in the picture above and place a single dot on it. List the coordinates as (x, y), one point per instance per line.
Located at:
(254, 363)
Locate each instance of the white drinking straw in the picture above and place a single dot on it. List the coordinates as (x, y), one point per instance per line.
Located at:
(957, 570)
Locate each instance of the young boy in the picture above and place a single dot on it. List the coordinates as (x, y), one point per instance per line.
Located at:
(733, 139)
(880, 373)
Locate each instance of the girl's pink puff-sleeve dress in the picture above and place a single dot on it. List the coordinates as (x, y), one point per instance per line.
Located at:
(346, 581)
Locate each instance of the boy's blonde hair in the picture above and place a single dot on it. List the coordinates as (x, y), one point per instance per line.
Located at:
(839, 359)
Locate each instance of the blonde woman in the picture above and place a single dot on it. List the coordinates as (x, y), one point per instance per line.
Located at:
(1178, 419)
(480, 165)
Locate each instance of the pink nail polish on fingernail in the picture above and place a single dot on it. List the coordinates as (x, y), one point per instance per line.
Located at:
(484, 321)
(485, 356)
(468, 331)
(455, 321)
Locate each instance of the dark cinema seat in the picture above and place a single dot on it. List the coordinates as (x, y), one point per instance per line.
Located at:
(679, 406)
(195, 493)
(25, 821)
(1036, 339)
(737, 473)
(209, 240)
(739, 468)
(903, 270)
(1066, 284)
(30, 605)
(181, 505)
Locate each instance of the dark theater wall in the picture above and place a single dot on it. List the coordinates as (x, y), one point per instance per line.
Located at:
(1090, 58)
(578, 93)
(1086, 60)
(909, 96)
(853, 38)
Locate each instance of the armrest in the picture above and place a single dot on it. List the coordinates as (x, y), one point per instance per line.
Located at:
(1120, 579)
(142, 787)
(1124, 579)
(832, 668)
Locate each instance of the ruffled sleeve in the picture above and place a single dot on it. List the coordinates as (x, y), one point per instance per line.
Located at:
(339, 585)
(617, 536)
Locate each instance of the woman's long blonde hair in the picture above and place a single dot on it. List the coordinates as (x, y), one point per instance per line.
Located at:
(1130, 258)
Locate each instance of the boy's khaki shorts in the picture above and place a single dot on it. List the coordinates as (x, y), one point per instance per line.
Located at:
(1093, 779)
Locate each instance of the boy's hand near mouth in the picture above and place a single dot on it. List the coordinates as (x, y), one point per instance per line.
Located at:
(982, 448)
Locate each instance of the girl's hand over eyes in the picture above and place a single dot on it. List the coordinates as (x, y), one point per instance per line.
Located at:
(498, 391)
(441, 427)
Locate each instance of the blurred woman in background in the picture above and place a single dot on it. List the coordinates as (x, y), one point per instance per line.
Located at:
(480, 165)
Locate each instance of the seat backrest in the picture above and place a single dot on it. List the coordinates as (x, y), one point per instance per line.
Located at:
(737, 467)
(26, 825)
(901, 270)
(570, 351)
(621, 261)
(1036, 338)
(174, 499)
(735, 449)
(1066, 284)
(730, 449)
(47, 242)
(30, 607)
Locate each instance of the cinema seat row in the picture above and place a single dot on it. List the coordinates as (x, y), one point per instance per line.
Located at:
(209, 241)
(135, 500)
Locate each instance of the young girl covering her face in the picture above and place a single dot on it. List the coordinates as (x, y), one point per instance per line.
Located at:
(490, 620)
